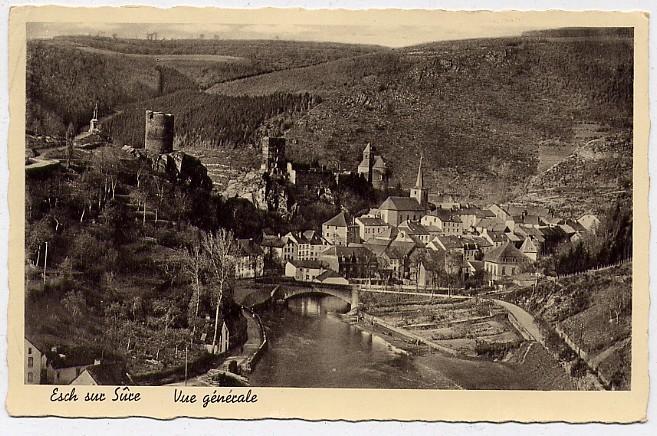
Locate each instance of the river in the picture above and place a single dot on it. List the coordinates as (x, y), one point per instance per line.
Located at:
(309, 346)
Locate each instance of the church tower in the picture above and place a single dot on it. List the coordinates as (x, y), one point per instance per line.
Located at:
(93, 124)
(368, 157)
(419, 192)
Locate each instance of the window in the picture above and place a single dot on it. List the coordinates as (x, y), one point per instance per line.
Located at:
(30, 377)
(29, 350)
(30, 362)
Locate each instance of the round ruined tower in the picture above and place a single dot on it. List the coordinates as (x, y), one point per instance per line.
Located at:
(159, 132)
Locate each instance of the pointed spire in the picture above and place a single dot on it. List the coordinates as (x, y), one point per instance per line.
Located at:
(419, 183)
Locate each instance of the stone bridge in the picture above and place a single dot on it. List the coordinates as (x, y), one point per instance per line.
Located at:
(348, 294)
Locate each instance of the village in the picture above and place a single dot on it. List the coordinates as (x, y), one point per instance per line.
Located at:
(421, 244)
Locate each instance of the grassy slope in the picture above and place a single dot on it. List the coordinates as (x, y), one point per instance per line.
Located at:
(583, 306)
(479, 109)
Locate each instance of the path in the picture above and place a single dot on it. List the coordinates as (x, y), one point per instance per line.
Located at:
(524, 318)
(251, 345)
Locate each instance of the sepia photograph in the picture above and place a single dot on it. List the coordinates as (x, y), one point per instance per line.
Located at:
(247, 205)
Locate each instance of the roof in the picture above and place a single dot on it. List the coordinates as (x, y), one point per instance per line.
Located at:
(503, 252)
(388, 234)
(310, 264)
(413, 228)
(450, 242)
(71, 357)
(446, 215)
(371, 221)
(342, 251)
(339, 221)
(272, 241)
(113, 374)
(401, 203)
(497, 236)
(306, 237)
(528, 246)
(478, 265)
(246, 247)
(328, 274)
(379, 163)
(433, 260)
(399, 249)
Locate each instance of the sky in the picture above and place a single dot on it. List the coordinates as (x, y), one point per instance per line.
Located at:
(388, 35)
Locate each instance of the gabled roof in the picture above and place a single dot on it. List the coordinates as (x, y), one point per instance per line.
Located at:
(342, 251)
(339, 221)
(371, 221)
(449, 242)
(477, 265)
(388, 234)
(491, 223)
(111, 374)
(446, 215)
(306, 237)
(401, 203)
(310, 264)
(379, 163)
(504, 251)
(413, 228)
(399, 249)
(328, 274)
(528, 246)
(71, 357)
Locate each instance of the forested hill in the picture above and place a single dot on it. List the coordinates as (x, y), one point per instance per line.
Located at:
(479, 109)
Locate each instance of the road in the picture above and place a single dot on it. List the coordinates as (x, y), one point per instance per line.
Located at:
(525, 319)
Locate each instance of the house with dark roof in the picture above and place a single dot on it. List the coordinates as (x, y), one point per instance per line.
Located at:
(249, 259)
(104, 374)
(272, 246)
(306, 245)
(337, 231)
(350, 262)
(65, 364)
(395, 259)
(504, 261)
(370, 227)
(446, 220)
(416, 231)
(304, 270)
(529, 249)
(395, 210)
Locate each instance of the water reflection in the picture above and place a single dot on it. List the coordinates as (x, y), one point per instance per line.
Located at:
(311, 347)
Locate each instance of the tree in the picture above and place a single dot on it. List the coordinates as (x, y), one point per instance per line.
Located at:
(75, 303)
(70, 133)
(193, 264)
(218, 249)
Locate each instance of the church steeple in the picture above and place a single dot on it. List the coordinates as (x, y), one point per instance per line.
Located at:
(419, 192)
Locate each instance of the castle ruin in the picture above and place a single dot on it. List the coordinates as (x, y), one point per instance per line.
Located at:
(159, 131)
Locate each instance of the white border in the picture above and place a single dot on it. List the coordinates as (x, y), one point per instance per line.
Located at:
(62, 426)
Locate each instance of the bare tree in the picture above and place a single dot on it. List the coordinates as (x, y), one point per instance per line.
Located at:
(194, 262)
(218, 248)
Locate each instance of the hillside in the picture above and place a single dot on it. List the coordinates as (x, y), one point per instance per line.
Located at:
(479, 108)
(595, 311)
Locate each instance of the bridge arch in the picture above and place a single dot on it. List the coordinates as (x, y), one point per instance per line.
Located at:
(346, 294)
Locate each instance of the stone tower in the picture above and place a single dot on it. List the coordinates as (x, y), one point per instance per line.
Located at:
(159, 132)
(368, 159)
(273, 156)
(419, 192)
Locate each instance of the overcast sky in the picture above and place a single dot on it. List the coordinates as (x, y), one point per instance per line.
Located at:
(392, 36)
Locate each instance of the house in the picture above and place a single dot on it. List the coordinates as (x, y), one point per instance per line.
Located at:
(64, 365)
(336, 231)
(589, 222)
(469, 216)
(472, 268)
(304, 270)
(330, 277)
(494, 237)
(374, 169)
(445, 201)
(439, 268)
(395, 259)
(529, 249)
(503, 261)
(370, 227)
(416, 231)
(35, 362)
(350, 262)
(446, 220)
(447, 243)
(249, 259)
(104, 374)
(272, 247)
(306, 245)
(395, 210)
(490, 223)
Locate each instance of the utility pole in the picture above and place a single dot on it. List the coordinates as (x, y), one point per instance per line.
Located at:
(45, 262)
(186, 348)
